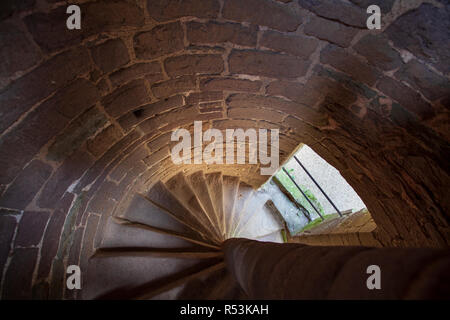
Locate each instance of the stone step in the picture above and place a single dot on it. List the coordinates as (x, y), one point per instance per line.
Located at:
(245, 192)
(201, 287)
(251, 209)
(123, 232)
(215, 185)
(180, 189)
(170, 294)
(230, 190)
(197, 182)
(128, 277)
(161, 196)
(143, 210)
(258, 227)
(182, 253)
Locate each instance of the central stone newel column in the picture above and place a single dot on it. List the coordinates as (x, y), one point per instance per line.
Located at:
(268, 270)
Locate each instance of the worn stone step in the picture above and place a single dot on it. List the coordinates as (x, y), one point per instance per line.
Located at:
(215, 185)
(230, 190)
(161, 196)
(180, 189)
(184, 280)
(223, 287)
(274, 236)
(244, 194)
(197, 182)
(257, 219)
(123, 232)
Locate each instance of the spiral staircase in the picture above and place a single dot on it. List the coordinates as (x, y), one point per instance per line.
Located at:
(167, 245)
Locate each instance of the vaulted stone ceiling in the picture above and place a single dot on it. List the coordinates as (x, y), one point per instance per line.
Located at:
(86, 115)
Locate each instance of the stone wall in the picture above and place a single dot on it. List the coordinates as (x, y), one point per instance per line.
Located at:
(86, 115)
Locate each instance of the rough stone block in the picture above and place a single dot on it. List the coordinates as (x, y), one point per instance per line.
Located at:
(19, 275)
(256, 114)
(20, 145)
(174, 86)
(107, 160)
(348, 81)
(313, 92)
(299, 46)
(53, 74)
(261, 12)
(128, 163)
(18, 53)
(424, 32)
(133, 118)
(88, 239)
(277, 104)
(50, 31)
(71, 103)
(210, 107)
(337, 10)
(420, 77)
(74, 253)
(332, 90)
(157, 156)
(349, 64)
(8, 225)
(71, 170)
(158, 142)
(404, 95)
(294, 91)
(103, 202)
(204, 96)
(229, 84)
(11, 7)
(176, 118)
(104, 140)
(76, 134)
(385, 5)
(52, 236)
